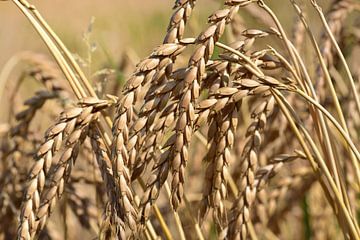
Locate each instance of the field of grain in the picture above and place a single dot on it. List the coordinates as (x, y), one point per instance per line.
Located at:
(185, 119)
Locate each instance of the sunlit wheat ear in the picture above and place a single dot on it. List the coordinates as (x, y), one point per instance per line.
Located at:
(240, 213)
(222, 128)
(175, 154)
(154, 71)
(176, 28)
(114, 211)
(21, 136)
(40, 199)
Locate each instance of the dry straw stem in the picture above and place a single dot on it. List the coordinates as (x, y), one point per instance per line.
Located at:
(66, 60)
(69, 73)
(298, 34)
(47, 30)
(348, 73)
(334, 162)
(354, 149)
(319, 160)
(282, 32)
(334, 97)
(322, 162)
(65, 67)
(328, 176)
(333, 25)
(159, 101)
(67, 63)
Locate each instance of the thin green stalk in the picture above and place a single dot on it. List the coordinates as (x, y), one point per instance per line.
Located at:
(290, 68)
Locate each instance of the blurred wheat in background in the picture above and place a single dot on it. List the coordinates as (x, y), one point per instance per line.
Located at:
(235, 119)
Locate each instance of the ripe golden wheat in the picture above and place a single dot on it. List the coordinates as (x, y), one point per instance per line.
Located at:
(233, 133)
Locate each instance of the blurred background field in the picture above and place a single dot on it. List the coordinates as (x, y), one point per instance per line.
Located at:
(119, 25)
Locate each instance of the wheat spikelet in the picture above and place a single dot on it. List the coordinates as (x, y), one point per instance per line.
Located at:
(247, 189)
(160, 89)
(113, 190)
(72, 125)
(153, 69)
(215, 190)
(176, 155)
(176, 28)
(33, 105)
(21, 140)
